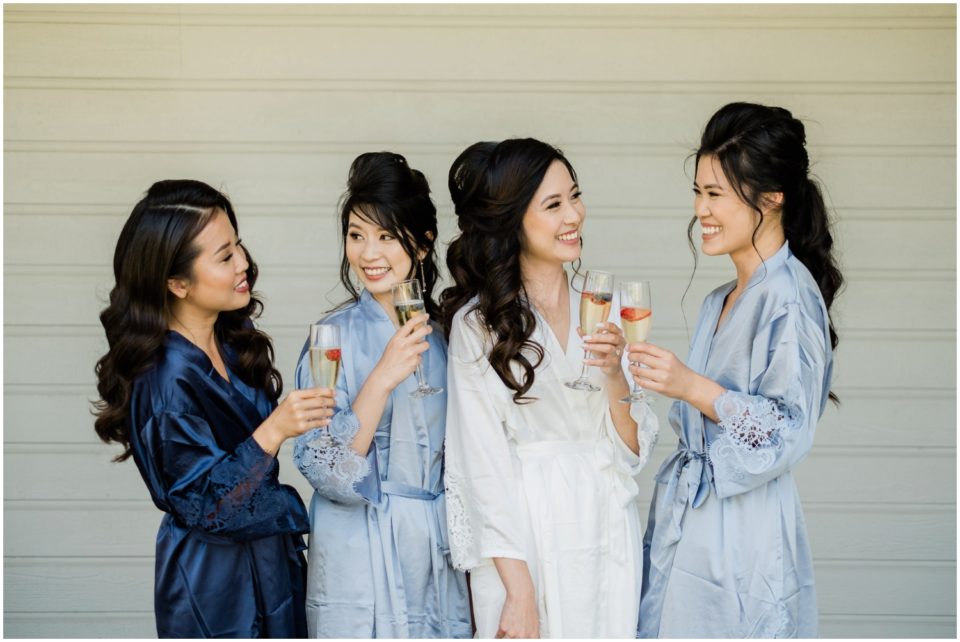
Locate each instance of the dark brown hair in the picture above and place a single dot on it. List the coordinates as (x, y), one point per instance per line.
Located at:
(762, 150)
(157, 244)
(386, 191)
(491, 185)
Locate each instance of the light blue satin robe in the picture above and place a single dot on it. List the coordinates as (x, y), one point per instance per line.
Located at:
(725, 550)
(379, 561)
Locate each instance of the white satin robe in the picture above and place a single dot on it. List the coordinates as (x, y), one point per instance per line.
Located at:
(549, 482)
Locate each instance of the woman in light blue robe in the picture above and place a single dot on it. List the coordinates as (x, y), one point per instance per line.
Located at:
(379, 562)
(726, 552)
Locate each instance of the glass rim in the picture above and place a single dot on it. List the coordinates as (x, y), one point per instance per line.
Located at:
(405, 282)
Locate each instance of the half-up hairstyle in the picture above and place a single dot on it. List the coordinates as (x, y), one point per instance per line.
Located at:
(491, 185)
(761, 150)
(383, 189)
(157, 243)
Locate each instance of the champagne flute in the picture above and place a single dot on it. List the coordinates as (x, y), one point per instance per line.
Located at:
(324, 358)
(636, 314)
(595, 303)
(408, 302)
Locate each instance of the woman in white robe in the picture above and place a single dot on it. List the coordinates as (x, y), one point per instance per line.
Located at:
(541, 496)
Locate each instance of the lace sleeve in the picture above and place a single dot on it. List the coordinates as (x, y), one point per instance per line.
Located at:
(236, 495)
(458, 524)
(648, 431)
(328, 462)
(767, 426)
(483, 516)
(752, 433)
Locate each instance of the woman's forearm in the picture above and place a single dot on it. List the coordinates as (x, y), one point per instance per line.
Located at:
(368, 407)
(701, 393)
(618, 388)
(516, 578)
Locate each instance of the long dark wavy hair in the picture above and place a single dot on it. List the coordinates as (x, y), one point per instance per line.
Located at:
(761, 150)
(386, 191)
(491, 185)
(157, 244)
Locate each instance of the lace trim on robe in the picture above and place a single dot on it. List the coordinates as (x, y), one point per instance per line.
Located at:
(239, 497)
(648, 433)
(328, 462)
(458, 524)
(750, 437)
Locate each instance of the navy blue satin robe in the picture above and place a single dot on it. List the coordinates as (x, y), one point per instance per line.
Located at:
(229, 559)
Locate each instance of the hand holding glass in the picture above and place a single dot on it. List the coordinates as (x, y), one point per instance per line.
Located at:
(636, 314)
(408, 302)
(324, 350)
(595, 303)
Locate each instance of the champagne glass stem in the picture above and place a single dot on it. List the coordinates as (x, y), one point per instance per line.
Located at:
(420, 380)
(583, 368)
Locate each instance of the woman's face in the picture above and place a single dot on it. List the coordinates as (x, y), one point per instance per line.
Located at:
(554, 219)
(377, 258)
(727, 223)
(219, 279)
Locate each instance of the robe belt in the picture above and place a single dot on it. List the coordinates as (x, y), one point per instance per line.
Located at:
(225, 540)
(398, 489)
(405, 490)
(439, 545)
(210, 538)
(171, 520)
(691, 465)
(624, 486)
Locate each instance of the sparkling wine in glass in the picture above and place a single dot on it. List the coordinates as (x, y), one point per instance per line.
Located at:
(636, 315)
(324, 352)
(595, 303)
(408, 302)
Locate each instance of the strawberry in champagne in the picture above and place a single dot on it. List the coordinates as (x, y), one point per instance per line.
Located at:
(635, 323)
(594, 309)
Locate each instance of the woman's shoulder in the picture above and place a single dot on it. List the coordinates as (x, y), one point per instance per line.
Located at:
(467, 309)
(791, 284)
(468, 319)
(789, 296)
(345, 311)
(468, 332)
(171, 384)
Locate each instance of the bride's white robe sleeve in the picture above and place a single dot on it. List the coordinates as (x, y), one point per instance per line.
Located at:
(485, 508)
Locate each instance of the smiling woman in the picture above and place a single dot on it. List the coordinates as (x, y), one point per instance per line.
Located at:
(540, 478)
(726, 549)
(189, 389)
(379, 564)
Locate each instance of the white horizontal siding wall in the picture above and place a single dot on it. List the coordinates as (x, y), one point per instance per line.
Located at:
(271, 103)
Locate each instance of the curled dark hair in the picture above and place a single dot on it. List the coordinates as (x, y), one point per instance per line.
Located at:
(386, 191)
(157, 244)
(491, 185)
(762, 150)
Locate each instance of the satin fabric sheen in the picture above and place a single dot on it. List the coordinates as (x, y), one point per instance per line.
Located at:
(726, 552)
(379, 556)
(228, 554)
(549, 482)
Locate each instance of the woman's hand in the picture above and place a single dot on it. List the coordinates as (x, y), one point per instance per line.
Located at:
(300, 411)
(402, 354)
(605, 348)
(664, 372)
(667, 375)
(520, 617)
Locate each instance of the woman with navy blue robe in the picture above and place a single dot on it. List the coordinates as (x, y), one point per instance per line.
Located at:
(726, 552)
(189, 390)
